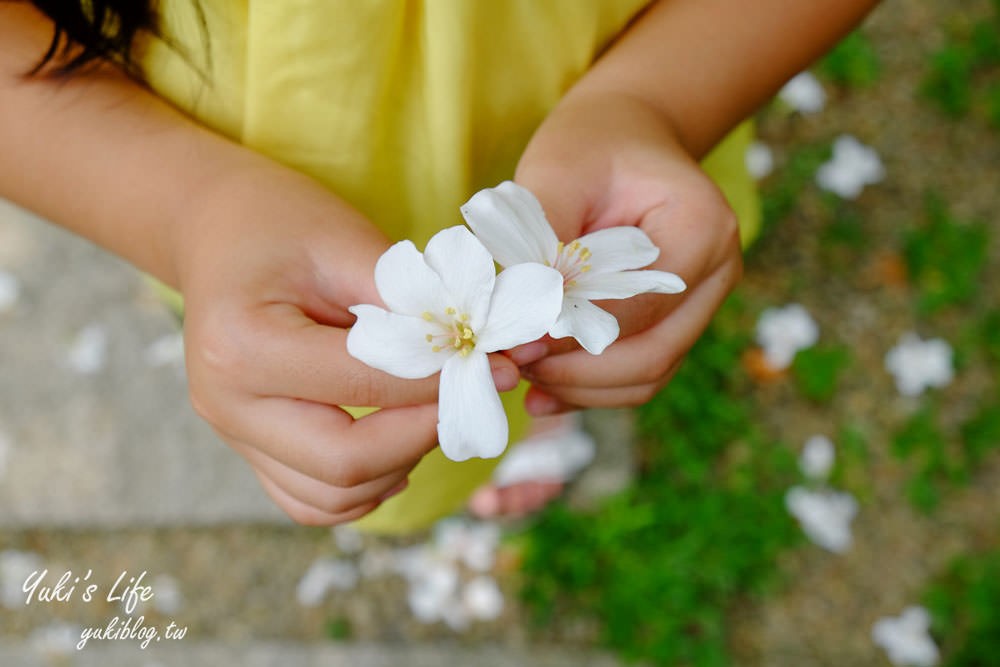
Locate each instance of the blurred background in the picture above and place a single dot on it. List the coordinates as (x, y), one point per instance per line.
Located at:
(820, 485)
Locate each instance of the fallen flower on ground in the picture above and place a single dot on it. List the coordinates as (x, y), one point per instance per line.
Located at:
(510, 222)
(906, 639)
(852, 167)
(759, 160)
(804, 93)
(447, 309)
(324, 575)
(782, 332)
(825, 516)
(816, 459)
(918, 364)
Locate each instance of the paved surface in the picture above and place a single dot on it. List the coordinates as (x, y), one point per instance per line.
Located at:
(93, 403)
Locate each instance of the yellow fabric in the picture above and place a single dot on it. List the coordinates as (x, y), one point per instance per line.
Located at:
(403, 108)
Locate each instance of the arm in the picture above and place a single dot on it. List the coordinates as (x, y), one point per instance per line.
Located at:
(268, 262)
(621, 148)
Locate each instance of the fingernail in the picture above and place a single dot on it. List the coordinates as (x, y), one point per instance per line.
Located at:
(522, 355)
(394, 490)
(505, 378)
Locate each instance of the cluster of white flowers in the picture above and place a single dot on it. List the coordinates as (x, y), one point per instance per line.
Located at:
(324, 575)
(824, 514)
(919, 364)
(782, 332)
(852, 167)
(447, 307)
(906, 638)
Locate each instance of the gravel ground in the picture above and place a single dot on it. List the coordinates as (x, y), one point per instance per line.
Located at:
(238, 581)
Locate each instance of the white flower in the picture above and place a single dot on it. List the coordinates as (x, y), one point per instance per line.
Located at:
(509, 220)
(483, 599)
(804, 93)
(825, 516)
(918, 364)
(10, 291)
(759, 160)
(782, 332)
(474, 543)
(167, 350)
(433, 593)
(348, 539)
(447, 310)
(89, 350)
(905, 638)
(852, 167)
(816, 458)
(323, 575)
(167, 597)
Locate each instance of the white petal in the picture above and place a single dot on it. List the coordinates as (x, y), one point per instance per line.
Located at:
(466, 269)
(619, 249)
(393, 343)
(593, 327)
(471, 419)
(510, 222)
(525, 304)
(624, 284)
(405, 282)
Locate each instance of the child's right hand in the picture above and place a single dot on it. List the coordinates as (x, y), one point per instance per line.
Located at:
(268, 266)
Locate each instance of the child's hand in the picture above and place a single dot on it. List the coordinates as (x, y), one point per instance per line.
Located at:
(268, 268)
(606, 160)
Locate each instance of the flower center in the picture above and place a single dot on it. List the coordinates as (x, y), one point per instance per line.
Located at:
(571, 262)
(456, 334)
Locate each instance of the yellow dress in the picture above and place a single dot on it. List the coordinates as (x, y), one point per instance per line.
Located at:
(404, 108)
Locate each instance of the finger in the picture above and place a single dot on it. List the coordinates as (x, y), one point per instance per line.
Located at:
(324, 442)
(279, 351)
(328, 499)
(308, 515)
(642, 358)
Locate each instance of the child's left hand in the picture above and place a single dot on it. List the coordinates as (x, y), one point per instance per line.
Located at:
(603, 160)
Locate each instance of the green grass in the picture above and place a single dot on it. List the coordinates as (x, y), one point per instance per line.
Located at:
(659, 565)
(945, 257)
(817, 371)
(852, 63)
(965, 607)
(781, 193)
(961, 76)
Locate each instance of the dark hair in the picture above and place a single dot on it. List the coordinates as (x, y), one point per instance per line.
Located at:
(89, 31)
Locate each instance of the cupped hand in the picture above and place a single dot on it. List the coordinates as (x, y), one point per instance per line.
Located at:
(603, 160)
(268, 266)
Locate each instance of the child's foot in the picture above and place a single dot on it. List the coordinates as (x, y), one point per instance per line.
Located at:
(536, 470)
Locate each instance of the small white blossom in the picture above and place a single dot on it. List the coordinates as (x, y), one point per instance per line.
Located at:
(473, 543)
(324, 575)
(347, 539)
(15, 567)
(825, 516)
(483, 599)
(433, 591)
(510, 222)
(447, 309)
(89, 350)
(804, 93)
(782, 332)
(555, 456)
(10, 291)
(852, 167)
(759, 160)
(906, 639)
(167, 350)
(167, 596)
(816, 459)
(918, 364)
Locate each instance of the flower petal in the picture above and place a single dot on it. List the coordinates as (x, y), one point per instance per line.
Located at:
(406, 284)
(526, 302)
(619, 249)
(471, 419)
(393, 343)
(466, 270)
(593, 327)
(510, 222)
(624, 284)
